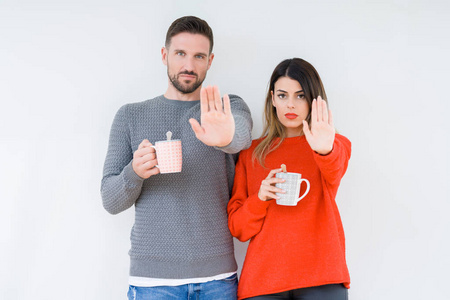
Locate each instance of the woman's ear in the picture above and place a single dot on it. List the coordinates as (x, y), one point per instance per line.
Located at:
(273, 101)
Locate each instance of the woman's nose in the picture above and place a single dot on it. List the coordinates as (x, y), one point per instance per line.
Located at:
(290, 103)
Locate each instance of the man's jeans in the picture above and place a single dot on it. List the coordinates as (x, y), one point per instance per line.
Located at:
(225, 289)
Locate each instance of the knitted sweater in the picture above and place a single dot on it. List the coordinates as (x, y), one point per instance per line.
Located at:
(180, 228)
(290, 247)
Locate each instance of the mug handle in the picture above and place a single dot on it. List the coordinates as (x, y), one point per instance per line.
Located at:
(307, 188)
(156, 166)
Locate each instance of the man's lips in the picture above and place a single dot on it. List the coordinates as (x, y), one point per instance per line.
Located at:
(291, 116)
(187, 76)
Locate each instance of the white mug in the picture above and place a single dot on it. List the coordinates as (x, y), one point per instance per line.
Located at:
(291, 185)
(169, 156)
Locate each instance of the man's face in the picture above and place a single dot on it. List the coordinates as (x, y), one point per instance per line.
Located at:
(187, 59)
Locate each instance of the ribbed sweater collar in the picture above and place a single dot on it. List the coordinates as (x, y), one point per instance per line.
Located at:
(179, 103)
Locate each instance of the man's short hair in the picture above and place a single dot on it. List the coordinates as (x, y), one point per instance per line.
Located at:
(192, 25)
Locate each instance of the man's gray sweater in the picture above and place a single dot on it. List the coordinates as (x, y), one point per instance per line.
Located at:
(180, 228)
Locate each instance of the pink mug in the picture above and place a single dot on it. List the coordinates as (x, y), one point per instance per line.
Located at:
(169, 156)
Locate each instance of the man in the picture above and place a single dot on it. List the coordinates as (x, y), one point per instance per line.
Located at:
(180, 243)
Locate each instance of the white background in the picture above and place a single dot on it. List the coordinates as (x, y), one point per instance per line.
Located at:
(67, 66)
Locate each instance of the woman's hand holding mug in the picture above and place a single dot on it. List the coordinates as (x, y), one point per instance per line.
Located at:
(267, 189)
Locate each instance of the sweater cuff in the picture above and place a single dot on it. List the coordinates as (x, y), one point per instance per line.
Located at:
(232, 147)
(328, 157)
(256, 206)
(130, 178)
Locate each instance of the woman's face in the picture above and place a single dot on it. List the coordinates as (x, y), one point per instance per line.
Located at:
(291, 105)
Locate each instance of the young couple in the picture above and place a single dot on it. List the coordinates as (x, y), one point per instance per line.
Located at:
(181, 246)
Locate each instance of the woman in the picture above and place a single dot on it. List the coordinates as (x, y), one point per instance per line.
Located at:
(295, 252)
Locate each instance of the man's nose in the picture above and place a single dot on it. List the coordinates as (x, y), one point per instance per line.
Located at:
(189, 64)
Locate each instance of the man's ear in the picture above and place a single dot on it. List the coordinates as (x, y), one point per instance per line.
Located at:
(164, 55)
(211, 57)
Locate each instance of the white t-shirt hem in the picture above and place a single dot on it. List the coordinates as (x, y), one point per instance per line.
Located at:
(152, 282)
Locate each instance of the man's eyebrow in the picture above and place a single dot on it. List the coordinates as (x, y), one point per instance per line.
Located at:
(199, 53)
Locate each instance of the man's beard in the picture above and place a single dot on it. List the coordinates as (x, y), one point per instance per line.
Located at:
(188, 88)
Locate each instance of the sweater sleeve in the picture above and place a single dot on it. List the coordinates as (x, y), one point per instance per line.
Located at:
(246, 213)
(121, 186)
(334, 165)
(242, 138)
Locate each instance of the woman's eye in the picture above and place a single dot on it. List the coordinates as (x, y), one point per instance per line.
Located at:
(281, 96)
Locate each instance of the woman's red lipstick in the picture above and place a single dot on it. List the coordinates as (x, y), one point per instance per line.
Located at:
(291, 115)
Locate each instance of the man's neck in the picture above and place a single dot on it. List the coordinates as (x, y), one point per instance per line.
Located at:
(175, 94)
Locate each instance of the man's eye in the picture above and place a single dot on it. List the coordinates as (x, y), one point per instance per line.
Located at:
(180, 53)
(199, 56)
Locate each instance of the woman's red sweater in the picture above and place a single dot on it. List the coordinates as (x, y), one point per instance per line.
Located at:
(290, 247)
